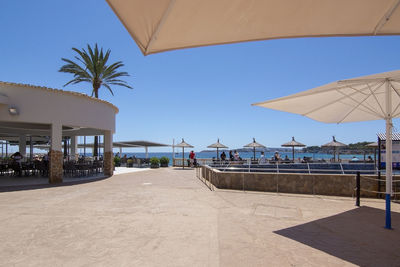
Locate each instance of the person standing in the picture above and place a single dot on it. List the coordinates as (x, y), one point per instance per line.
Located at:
(262, 160)
(192, 156)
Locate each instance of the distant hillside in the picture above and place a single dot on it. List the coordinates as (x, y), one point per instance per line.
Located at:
(356, 148)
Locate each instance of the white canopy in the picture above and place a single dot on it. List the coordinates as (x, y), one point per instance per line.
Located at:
(162, 25)
(359, 99)
(365, 98)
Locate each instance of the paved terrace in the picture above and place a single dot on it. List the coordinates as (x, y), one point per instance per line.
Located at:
(167, 217)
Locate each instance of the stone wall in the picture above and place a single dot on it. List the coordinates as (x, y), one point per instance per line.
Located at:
(319, 184)
(55, 167)
(108, 163)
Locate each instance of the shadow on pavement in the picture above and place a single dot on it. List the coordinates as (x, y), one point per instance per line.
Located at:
(12, 188)
(357, 236)
(181, 169)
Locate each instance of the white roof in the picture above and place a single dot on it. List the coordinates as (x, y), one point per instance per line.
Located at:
(395, 136)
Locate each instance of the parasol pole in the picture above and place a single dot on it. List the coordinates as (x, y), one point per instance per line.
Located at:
(217, 154)
(183, 157)
(389, 125)
(293, 153)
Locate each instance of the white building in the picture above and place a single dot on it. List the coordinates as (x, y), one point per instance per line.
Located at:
(27, 110)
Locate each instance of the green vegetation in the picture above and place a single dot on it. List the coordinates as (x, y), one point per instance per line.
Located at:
(92, 68)
(117, 161)
(164, 161)
(129, 162)
(154, 162)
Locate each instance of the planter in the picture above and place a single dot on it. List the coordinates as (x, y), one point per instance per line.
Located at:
(154, 163)
(164, 161)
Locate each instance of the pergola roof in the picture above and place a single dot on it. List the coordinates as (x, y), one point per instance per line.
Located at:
(125, 144)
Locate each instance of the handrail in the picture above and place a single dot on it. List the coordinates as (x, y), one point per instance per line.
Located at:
(282, 170)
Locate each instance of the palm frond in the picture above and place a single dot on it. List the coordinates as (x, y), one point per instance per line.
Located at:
(91, 66)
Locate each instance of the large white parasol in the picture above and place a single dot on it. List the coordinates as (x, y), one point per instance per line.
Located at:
(162, 25)
(373, 97)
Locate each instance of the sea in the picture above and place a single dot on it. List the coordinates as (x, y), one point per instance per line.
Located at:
(243, 155)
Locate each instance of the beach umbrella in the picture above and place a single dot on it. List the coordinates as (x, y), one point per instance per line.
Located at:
(254, 145)
(373, 145)
(183, 144)
(334, 144)
(293, 144)
(217, 145)
(372, 97)
(164, 25)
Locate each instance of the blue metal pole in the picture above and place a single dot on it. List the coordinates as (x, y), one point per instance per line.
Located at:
(388, 224)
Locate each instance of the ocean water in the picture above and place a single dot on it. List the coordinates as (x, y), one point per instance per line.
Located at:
(244, 155)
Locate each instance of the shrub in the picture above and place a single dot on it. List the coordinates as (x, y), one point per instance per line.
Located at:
(129, 162)
(154, 162)
(164, 161)
(117, 161)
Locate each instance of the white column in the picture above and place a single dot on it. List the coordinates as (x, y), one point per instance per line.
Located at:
(389, 126)
(74, 147)
(173, 149)
(146, 149)
(22, 145)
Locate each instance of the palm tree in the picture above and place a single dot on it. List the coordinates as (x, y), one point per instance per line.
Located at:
(94, 70)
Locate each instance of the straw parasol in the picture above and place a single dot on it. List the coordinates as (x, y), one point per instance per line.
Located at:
(183, 144)
(373, 145)
(335, 144)
(254, 144)
(293, 144)
(217, 145)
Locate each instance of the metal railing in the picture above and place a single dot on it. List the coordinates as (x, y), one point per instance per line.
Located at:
(308, 168)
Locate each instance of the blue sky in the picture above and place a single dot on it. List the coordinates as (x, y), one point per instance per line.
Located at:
(199, 94)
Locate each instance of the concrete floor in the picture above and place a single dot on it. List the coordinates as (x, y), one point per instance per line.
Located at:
(167, 217)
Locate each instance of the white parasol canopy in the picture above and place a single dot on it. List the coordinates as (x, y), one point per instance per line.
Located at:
(365, 98)
(162, 25)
